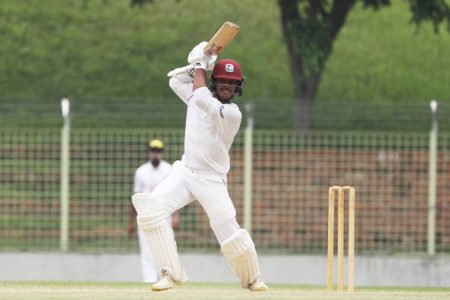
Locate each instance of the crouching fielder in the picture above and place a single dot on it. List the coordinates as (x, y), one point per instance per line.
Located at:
(212, 122)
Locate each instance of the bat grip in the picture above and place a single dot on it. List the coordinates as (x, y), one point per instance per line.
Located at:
(210, 49)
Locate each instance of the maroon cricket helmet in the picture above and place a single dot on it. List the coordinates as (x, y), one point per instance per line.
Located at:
(227, 69)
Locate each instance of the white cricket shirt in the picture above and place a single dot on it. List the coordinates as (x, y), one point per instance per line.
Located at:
(210, 127)
(147, 177)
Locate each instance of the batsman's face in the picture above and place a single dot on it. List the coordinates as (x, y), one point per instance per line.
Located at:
(225, 88)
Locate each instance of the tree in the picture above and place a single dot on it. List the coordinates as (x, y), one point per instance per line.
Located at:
(310, 28)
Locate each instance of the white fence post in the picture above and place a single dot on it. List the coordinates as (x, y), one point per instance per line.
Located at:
(432, 173)
(65, 160)
(248, 165)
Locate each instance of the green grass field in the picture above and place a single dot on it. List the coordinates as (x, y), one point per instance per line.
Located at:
(203, 291)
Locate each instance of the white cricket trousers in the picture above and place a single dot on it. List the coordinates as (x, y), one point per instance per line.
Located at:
(184, 185)
(148, 266)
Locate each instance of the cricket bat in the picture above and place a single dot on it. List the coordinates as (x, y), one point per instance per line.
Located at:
(223, 37)
(217, 43)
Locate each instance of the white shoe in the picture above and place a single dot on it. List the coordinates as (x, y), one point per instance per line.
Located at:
(163, 284)
(258, 286)
(166, 281)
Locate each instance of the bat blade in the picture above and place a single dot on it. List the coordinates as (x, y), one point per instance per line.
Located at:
(223, 37)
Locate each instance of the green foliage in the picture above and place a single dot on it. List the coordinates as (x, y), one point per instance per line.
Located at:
(312, 28)
(116, 55)
(380, 58)
(99, 48)
(311, 38)
(436, 11)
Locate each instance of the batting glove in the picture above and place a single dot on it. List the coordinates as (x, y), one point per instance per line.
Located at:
(199, 59)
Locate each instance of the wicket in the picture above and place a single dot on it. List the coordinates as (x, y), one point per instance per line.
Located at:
(340, 237)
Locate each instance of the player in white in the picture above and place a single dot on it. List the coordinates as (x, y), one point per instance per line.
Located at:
(146, 178)
(212, 122)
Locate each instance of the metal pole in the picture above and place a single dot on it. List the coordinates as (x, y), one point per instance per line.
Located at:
(65, 159)
(432, 174)
(248, 166)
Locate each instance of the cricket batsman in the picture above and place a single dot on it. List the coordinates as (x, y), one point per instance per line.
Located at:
(212, 122)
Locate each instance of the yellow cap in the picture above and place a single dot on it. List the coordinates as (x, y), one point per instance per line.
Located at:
(156, 144)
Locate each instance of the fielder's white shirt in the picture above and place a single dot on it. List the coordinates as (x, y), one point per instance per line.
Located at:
(147, 177)
(210, 127)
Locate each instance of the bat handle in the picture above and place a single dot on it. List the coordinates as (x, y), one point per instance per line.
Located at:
(211, 49)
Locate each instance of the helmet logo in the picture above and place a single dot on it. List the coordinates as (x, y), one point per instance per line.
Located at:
(229, 68)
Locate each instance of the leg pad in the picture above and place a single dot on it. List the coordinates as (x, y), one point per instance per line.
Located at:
(240, 251)
(152, 219)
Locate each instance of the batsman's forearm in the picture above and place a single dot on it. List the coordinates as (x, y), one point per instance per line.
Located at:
(199, 78)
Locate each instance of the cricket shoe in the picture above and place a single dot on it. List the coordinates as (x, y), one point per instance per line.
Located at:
(258, 286)
(166, 282)
(163, 284)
